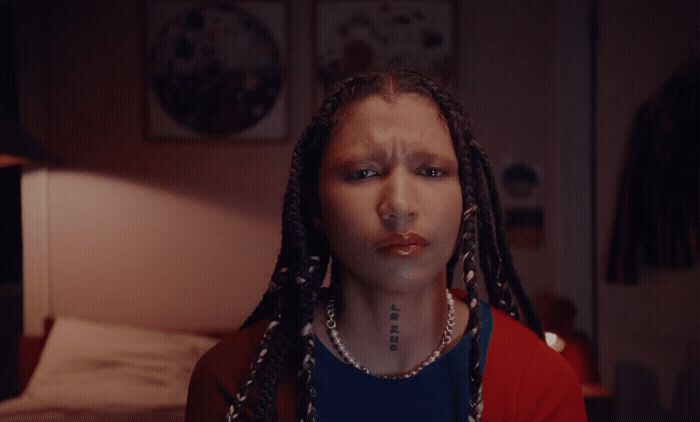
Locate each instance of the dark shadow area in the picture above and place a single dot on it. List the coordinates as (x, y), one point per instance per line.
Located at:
(637, 395)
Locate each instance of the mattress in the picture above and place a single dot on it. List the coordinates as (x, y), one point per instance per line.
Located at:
(91, 371)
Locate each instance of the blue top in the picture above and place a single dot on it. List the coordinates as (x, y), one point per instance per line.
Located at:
(438, 393)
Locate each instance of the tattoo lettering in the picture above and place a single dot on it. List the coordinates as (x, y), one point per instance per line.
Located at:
(394, 312)
(394, 330)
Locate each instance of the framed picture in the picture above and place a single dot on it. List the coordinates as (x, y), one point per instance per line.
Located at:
(216, 70)
(353, 36)
(520, 184)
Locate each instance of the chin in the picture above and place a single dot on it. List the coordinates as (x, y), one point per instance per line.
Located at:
(406, 280)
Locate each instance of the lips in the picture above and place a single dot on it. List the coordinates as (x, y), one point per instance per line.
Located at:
(402, 244)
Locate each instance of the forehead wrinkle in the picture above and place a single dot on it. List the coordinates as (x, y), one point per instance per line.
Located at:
(375, 152)
(370, 143)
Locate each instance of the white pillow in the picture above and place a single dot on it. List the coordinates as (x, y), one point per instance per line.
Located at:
(87, 365)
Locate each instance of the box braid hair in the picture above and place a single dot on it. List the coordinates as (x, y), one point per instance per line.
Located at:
(296, 283)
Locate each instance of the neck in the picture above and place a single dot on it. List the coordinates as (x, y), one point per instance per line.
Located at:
(392, 332)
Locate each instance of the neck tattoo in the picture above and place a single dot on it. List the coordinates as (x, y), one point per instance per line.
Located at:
(394, 316)
(394, 329)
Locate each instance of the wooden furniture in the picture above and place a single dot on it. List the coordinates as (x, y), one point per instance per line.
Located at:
(10, 333)
(599, 401)
(30, 348)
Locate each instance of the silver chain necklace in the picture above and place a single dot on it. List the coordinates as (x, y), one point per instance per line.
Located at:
(445, 340)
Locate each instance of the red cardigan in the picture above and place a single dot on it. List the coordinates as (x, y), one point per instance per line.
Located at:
(524, 380)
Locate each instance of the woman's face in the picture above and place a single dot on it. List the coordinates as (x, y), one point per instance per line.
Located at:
(390, 195)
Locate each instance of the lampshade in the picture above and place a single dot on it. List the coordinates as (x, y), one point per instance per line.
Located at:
(17, 146)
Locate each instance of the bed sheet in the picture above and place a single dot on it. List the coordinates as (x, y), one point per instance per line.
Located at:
(26, 409)
(91, 371)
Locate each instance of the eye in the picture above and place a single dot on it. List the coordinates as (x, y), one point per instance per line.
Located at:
(431, 172)
(360, 174)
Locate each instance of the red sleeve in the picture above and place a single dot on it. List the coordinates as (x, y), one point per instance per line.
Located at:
(550, 389)
(205, 401)
(524, 380)
(219, 374)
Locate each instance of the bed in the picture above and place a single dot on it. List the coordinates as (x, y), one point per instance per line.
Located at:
(89, 371)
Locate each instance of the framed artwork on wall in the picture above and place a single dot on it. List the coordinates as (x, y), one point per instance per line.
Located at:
(353, 36)
(520, 187)
(216, 70)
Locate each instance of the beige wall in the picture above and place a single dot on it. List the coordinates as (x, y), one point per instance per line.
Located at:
(652, 325)
(163, 235)
(186, 235)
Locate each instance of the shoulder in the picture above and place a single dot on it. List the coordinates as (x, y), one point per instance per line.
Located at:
(526, 379)
(220, 372)
(229, 360)
(235, 346)
(512, 341)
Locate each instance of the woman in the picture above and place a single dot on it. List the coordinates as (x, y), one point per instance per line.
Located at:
(388, 185)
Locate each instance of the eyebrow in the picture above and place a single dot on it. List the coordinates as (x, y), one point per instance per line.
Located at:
(383, 156)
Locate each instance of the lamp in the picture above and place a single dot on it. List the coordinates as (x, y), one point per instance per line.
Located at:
(17, 146)
(558, 315)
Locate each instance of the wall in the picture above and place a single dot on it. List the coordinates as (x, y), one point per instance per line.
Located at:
(165, 235)
(648, 332)
(186, 235)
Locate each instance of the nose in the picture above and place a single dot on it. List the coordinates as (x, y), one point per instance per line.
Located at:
(397, 206)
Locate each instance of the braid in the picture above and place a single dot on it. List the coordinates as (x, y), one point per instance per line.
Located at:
(461, 132)
(270, 378)
(281, 298)
(296, 282)
(469, 242)
(303, 292)
(489, 252)
(494, 254)
(267, 305)
(476, 402)
(262, 352)
(309, 288)
(309, 285)
(524, 302)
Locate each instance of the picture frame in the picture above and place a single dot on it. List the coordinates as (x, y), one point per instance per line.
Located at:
(359, 35)
(216, 71)
(520, 184)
